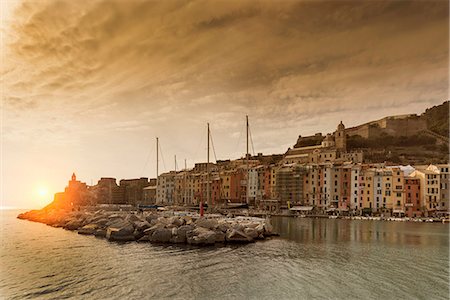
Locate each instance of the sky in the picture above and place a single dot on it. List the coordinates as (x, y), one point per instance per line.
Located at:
(87, 86)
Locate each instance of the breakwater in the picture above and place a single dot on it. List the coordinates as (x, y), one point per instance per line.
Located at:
(157, 227)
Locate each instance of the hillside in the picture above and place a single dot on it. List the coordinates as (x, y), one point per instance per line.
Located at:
(429, 146)
(437, 118)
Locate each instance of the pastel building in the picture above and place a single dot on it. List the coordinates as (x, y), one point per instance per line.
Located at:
(356, 189)
(444, 182)
(412, 197)
(165, 188)
(430, 189)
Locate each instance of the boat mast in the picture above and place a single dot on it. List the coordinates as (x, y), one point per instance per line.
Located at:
(157, 166)
(185, 182)
(208, 193)
(248, 171)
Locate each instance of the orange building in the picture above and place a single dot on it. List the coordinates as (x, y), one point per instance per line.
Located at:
(412, 197)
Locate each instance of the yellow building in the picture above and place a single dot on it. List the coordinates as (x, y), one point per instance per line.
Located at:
(386, 191)
(226, 182)
(430, 189)
(398, 190)
(367, 194)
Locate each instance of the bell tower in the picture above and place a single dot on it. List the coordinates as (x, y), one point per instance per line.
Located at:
(340, 138)
(74, 177)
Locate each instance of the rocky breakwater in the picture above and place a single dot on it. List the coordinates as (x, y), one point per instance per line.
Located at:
(157, 227)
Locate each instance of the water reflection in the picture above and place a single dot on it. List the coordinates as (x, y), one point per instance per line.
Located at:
(323, 231)
(313, 258)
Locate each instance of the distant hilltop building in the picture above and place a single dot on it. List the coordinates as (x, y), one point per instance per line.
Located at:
(320, 149)
(402, 125)
(76, 193)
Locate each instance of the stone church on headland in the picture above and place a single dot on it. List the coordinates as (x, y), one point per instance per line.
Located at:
(317, 149)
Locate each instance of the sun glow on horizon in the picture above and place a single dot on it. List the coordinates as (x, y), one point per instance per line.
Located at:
(42, 196)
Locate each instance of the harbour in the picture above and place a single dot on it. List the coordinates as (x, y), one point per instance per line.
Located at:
(325, 258)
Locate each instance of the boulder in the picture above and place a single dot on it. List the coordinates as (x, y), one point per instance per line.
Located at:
(142, 225)
(223, 226)
(161, 235)
(260, 229)
(201, 236)
(268, 229)
(206, 223)
(124, 233)
(149, 231)
(88, 229)
(138, 234)
(220, 236)
(100, 232)
(183, 230)
(177, 239)
(237, 226)
(73, 224)
(251, 232)
(118, 223)
(144, 238)
(114, 216)
(151, 217)
(236, 236)
(176, 221)
(100, 221)
(133, 218)
(188, 220)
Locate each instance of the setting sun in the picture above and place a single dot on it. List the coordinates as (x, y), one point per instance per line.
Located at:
(42, 192)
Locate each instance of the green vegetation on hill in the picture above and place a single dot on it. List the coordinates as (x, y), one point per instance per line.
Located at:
(437, 118)
(386, 140)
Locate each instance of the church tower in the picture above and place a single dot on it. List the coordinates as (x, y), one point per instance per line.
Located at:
(340, 138)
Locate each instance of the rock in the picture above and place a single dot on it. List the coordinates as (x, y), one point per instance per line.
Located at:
(251, 232)
(188, 220)
(201, 236)
(100, 222)
(114, 216)
(163, 220)
(220, 236)
(237, 236)
(237, 226)
(142, 225)
(176, 221)
(268, 229)
(206, 223)
(161, 235)
(88, 229)
(260, 229)
(133, 218)
(151, 217)
(149, 231)
(138, 234)
(124, 233)
(182, 232)
(145, 238)
(100, 232)
(223, 226)
(118, 223)
(73, 224)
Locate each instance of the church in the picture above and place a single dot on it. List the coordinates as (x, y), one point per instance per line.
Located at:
(318, 149)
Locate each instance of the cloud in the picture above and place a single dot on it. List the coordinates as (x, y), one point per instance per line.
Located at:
(112, 75)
